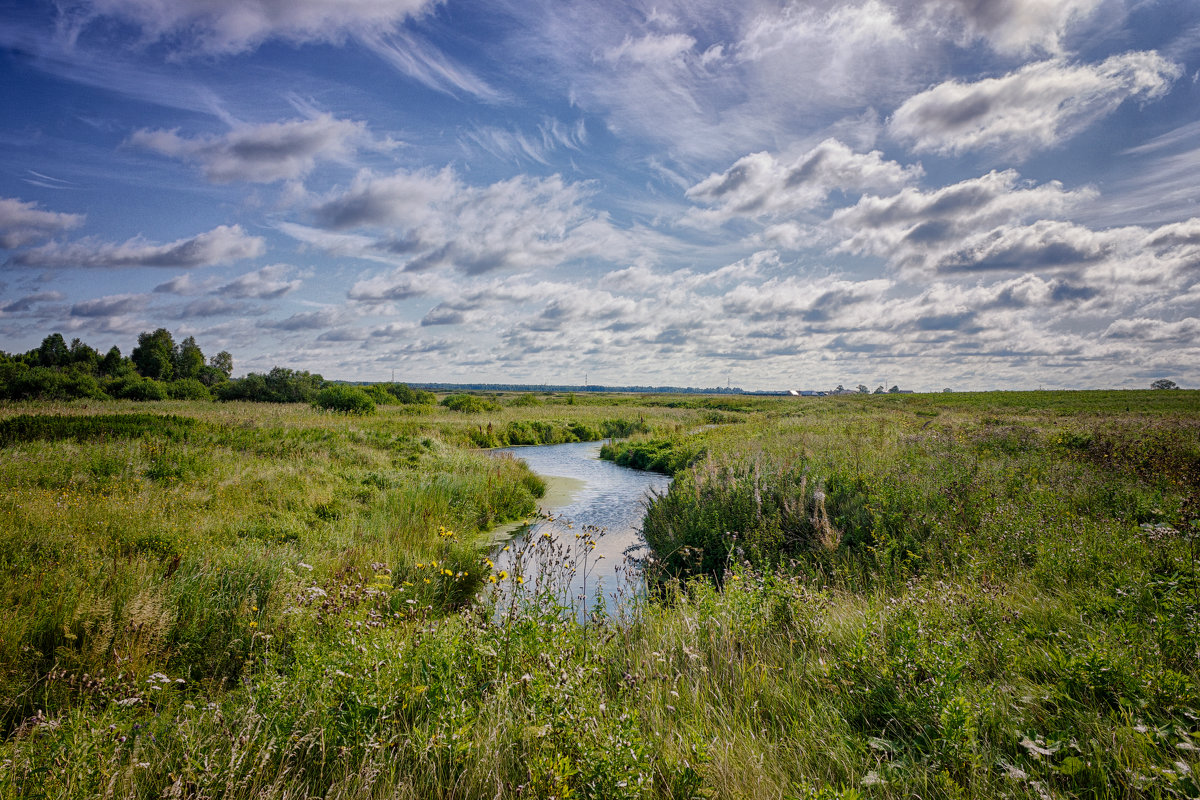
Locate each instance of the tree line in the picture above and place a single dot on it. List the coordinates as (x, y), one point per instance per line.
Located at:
(159, 368)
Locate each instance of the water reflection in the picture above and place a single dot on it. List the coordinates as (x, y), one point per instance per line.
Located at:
(603, 504)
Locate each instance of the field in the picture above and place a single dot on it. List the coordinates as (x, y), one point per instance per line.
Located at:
(951, 595)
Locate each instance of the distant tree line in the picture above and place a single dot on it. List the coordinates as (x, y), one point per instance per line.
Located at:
(158, 368)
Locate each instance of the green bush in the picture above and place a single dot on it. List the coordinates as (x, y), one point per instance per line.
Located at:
(345, 400)
(134, 387)
(409, 396)
(468, 404)
(523, 400)
(188, 389)
(280, 385)
(668, 456)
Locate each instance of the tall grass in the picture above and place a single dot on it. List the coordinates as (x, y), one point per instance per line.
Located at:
(934, 596)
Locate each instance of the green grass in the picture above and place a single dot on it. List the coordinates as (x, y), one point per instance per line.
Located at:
(948, 595)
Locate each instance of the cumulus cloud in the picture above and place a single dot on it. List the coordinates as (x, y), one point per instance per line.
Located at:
(262, 153)
(305, 320)
(1183, 332)
(1011, 27)
(1037, 107)
(913, 227)
(1135, 258)
(759, 185)
(27, 302)
(222, 245)
(211, 307)
(270, 282)
(235, 26)
(113, 305)
(23, 223)
(429, 220)
(390, 287)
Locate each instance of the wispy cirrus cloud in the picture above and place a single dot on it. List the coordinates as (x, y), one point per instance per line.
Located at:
(518, 147)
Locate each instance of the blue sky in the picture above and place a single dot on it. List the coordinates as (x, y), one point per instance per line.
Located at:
(947, 193)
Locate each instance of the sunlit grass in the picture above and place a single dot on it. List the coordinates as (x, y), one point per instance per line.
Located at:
(1001, 599)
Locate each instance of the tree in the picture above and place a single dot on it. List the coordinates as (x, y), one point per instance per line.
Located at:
(189, 359)
(111, 363)
(84, 355)
(894, 390)
(878, 389)
(53, 352)
(861, 389)
(222, 361)
(1164, 383)
(154, 355)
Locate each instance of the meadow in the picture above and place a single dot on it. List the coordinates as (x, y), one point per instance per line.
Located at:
(951, 595)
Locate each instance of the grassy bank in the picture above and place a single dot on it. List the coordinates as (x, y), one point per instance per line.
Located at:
(885, 596)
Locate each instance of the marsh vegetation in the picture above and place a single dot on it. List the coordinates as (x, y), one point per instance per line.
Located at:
(948, 595)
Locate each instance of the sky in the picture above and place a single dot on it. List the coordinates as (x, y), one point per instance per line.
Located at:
(964, 194)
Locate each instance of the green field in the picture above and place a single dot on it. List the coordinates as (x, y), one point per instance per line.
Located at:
(950, 595)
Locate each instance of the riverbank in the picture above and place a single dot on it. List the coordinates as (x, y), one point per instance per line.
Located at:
(261, 608)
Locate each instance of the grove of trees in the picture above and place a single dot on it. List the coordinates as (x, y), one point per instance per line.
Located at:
(159, 368)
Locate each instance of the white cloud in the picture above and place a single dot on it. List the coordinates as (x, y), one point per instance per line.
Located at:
(268, 283)
(431, 219)
(1182, 332)
(23, 223)
(235, 26)
(651, 49)
(1011, 27)
(26, 303)
(913, 228)
(510, 145)
(1037, 107)
(114, 305)
(263, 153)
(222, 245)
(426, 64)
(759, 185)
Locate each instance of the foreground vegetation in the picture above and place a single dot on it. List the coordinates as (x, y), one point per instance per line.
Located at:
(878, 595)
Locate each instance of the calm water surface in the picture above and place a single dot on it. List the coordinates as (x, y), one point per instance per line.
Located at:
(598, 494)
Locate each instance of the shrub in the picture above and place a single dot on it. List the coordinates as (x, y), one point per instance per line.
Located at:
(188, 389)
(409, 396)
(137, 388)
(527, 399)
(668, 456)
(280, 385)
(345, 400)
(468, 403)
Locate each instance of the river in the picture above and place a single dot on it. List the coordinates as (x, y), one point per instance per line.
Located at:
(590, 501)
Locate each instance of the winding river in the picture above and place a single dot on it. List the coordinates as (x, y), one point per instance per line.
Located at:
(588, 500)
